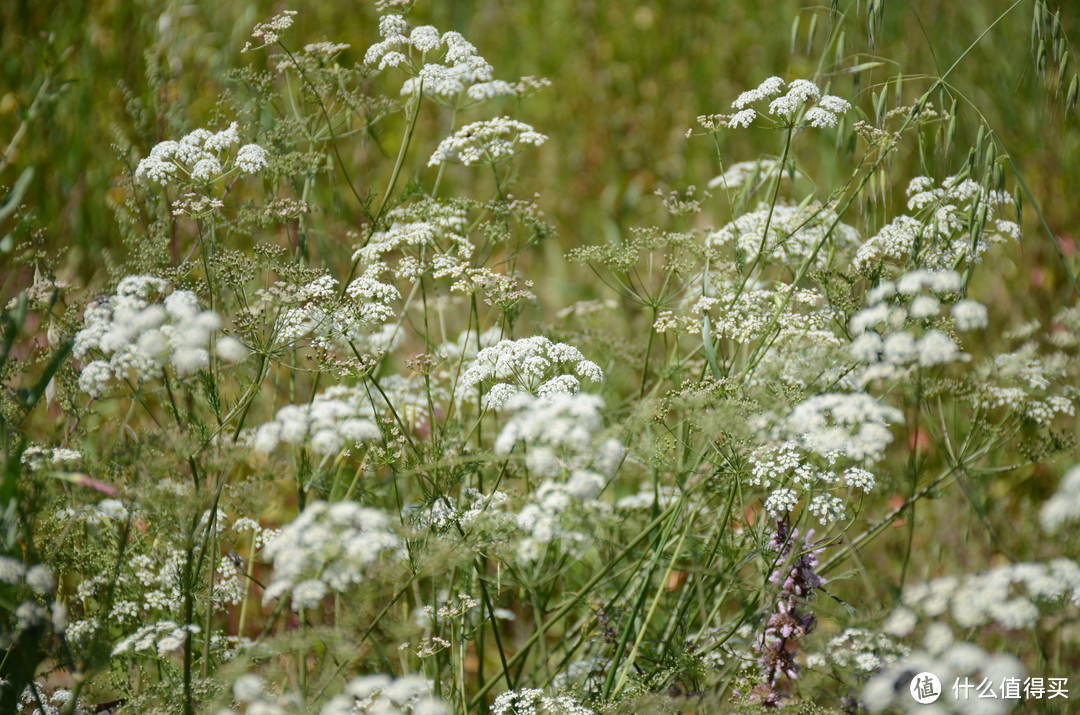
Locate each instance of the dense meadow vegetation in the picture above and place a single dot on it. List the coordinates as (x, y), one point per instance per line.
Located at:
(539, 357)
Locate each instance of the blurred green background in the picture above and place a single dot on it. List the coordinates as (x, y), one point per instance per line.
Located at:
(628, 78)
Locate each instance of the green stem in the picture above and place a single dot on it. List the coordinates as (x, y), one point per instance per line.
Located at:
(442, 164)
(652, 608)
(329, 123)
(398, 163)
(584, 592)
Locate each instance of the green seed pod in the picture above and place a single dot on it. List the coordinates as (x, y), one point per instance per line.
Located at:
(1040, 56)
(1063, 65)
(810, 35)
(920, 105)
(1070, 96)
(999, 177)
(794, 32)
(1018, 204)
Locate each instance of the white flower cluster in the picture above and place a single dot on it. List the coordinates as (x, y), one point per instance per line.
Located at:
(1006, 595)
(1012, 597)
(881, 338)
(230, 586)
(38, 577)
(461, 59)
(365, 695)
(781, 501)
(107, 512)
(36, 457)
(889, 690)
(560, 431)
(55, 702)
(743, 316)
(159, 638)
(486, 142)
(766, 90)
(760, 171)
(326, 49)
(446, 67)
(196, 206)
(250, 689)
(159, 576)
(1015, 399)
(202, 157)
(791, 471)
(582, 675)
(801, 93)
(560, 434)
(472, 510)
(497, 288)
(774, 463)
(153, 585)
(1066, 333)
(940, 229)
(327, 548)
(1019, 382)
(533, 365)
(140, 334)
(1064, 507)
(267, 33)
(462, 609)
(318, 310)
(336, 419)
(429, 236)
(970, 315)
(795, 232)
(859, 650)
(533, 701)
(383, 695)
(853, 426)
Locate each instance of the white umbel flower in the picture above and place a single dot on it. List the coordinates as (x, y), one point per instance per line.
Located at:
(855, 426)
(1064, 507)
(159, 639)
(328, 547)
(202, 157)
(136, 336)
(333, 421)
(970, 315)
(486, 142)
(533, 365)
